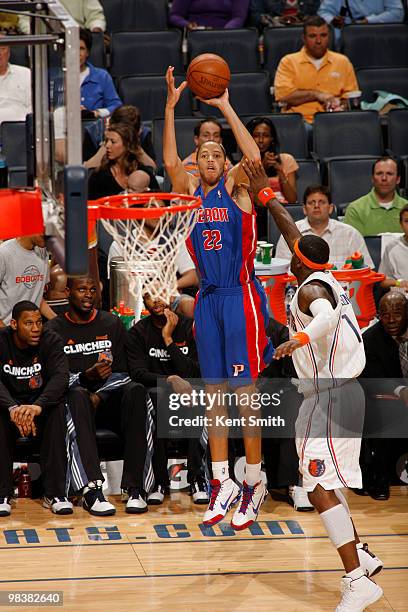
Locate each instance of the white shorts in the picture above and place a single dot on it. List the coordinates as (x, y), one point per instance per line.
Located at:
(328, 437)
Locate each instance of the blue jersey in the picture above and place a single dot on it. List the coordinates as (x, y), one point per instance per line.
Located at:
(223, 241)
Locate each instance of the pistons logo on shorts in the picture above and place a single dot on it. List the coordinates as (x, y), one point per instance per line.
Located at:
(316, 467)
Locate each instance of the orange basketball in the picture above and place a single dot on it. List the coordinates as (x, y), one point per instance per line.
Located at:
(208, 75)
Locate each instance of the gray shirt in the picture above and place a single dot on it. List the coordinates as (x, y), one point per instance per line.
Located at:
(23, 276)
(394, 262)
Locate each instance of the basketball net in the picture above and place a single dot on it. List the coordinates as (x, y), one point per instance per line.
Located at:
(150, 244)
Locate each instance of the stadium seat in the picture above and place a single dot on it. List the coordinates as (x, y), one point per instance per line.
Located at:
(145, 53)
(349, 179)
(347, 134)
(249, 94)
(291, 132)
(19, 55)
(308, 174)
(184, 134)
(18, 177)
(124, 15)
(14, 143)
(149, 94)
(398, 132)
(374, 248)
(382, 45)
(281, 41)
(97, 56)
(393, 80)
(238, 47)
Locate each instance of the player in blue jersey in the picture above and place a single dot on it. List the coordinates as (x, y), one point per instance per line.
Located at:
(231, 312)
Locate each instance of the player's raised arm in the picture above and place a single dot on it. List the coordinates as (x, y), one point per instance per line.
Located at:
(244, 139)
(178, 175)
(259, 185)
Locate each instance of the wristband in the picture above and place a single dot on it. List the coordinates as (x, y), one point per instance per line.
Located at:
(265, 195)
(301, 337)
(398, 282)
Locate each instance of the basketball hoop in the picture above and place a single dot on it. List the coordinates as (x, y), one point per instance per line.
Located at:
(149, 229)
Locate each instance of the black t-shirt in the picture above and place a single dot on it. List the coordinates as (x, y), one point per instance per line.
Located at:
(102, 183)
(150, 359)
(86, 343)
(35, 375)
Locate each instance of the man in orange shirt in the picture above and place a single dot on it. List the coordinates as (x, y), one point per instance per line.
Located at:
(314, 79)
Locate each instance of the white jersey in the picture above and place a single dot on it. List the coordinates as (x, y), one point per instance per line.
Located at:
(340, 353)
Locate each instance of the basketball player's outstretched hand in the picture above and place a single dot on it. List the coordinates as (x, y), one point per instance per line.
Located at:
(286, 349)
(173, 92)
(219, 102)
(257, 176)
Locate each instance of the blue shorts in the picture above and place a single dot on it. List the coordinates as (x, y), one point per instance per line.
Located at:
(230, 334)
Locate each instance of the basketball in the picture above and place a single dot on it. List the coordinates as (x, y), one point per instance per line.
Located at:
(208, 75)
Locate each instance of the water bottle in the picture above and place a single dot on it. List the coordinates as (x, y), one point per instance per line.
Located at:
(3, 172)
(24, 483)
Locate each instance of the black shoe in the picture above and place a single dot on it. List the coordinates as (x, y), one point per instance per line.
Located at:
(362, 491)
(380, 492)
(199, 491)
(95, 502)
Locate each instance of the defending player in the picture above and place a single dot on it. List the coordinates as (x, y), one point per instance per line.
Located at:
(230, 314)
(328, 353)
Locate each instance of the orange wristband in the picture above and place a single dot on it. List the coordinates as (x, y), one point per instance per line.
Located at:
(301, 337)
(265, 195)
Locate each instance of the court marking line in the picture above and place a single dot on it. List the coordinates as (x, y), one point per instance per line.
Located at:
(188, 541)
(187, 575)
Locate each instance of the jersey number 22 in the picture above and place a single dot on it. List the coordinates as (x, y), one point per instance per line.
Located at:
(212, 240)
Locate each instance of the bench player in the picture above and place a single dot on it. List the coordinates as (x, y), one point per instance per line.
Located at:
(231, 313)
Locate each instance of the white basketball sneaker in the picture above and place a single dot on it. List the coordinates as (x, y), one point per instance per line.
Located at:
(369, 563)
(358, 594)
(223, 495)
(251, 500)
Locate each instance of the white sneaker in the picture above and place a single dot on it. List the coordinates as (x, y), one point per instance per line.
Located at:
(370, 564)
(299, 499)
(156, 497)
(58, 505)
(223, 495)
(251, 500)
(136, 503)
(94, 500)
(358, 594)
(199, 491)
(5, 507)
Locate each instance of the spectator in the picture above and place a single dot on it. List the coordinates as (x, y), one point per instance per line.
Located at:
(94, 341)
(33, 381)
(280, 167)
(87, 13)
(193, 14)
(130, 115)
(281, 12)
(386, 349)
(314, 79)
(378, 211)
(342, 239)
(206, 130)
(56, 293)
(24, 272)
(99, 97)
(394, 262)
(339, 13)
(280, 456)
(120, 167)
(162, 346)
(15, 88)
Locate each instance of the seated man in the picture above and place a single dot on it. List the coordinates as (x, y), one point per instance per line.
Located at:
(342, 239)
(264, 13)
(99, 97)
(378, 211)
(162, 346)
(33, 380)
(339, 13)
(314, 79)
(394, 262)
(15, 88)
(205, 130)
(94, 341)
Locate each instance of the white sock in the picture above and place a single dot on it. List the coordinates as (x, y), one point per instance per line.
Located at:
(355, 573)
(220, 470)
(252, 473)
(359, 545)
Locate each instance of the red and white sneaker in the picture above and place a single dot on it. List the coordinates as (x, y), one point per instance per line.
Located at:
(251, 500)
(223, 495)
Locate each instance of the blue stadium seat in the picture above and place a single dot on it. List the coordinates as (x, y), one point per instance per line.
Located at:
(145, 53)
(374, 248)
(393, 80)
(349, 179)
(238, 47)
(379, 45)
(291, 132)
(123, 15)
(249, 94)
(308, 174)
